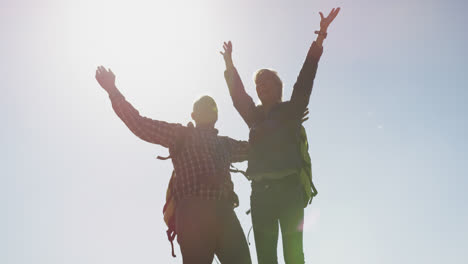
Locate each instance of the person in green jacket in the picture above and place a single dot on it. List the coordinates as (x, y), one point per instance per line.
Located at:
(276, 159)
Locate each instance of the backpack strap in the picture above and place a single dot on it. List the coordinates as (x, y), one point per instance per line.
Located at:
(236, 170)
(171, 234)
(168, 212)
(314, 190)
(164, 158)
(180, 142)
(307, 162)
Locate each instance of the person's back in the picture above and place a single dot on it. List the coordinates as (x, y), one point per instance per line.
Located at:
(205, 221)
(204, 162)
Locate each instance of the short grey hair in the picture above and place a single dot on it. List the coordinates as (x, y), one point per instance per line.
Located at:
(269, 73)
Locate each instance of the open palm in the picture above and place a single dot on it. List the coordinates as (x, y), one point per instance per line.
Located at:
(326, 21)
(105, 78)
(227, 54)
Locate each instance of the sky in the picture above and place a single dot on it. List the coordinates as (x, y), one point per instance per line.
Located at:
(387, 123)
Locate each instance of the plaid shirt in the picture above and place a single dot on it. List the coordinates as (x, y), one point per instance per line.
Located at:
(201, 165)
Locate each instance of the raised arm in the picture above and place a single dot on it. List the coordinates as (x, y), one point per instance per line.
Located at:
(241, 100)
(305, 81)
(153, 131)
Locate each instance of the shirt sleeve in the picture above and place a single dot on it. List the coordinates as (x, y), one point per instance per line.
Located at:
(153, 131)
(305, 81)
(239, 150)
(243, 103)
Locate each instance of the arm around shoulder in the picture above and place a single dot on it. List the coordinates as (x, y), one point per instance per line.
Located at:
(239, 150)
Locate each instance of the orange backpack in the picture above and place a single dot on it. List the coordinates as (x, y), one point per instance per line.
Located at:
(169, 214)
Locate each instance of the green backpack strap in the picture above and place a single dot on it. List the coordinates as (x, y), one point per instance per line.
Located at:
(306, 170)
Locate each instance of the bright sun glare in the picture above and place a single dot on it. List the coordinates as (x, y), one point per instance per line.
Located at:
(148, 48)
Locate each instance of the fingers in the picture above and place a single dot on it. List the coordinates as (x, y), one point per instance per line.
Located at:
(98, 71)
(334, 14)
(331, 16)
(98, 75)
(331, 12)
(227, 46)
(101, 70)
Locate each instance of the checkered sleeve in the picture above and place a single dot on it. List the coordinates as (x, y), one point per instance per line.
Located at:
(153, 131)
(239, 150)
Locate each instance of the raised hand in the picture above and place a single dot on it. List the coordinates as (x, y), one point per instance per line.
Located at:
(326, 21)
(106, 78)
(227, 54)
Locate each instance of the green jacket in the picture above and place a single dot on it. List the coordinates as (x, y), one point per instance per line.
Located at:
(275, 138)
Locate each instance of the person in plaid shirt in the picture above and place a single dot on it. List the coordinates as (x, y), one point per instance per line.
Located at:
(205, 220)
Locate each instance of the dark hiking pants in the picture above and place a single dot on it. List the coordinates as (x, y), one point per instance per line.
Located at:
(208, 227)
(278, 203)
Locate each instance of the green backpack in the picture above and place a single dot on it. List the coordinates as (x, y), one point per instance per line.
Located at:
(306, 170)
